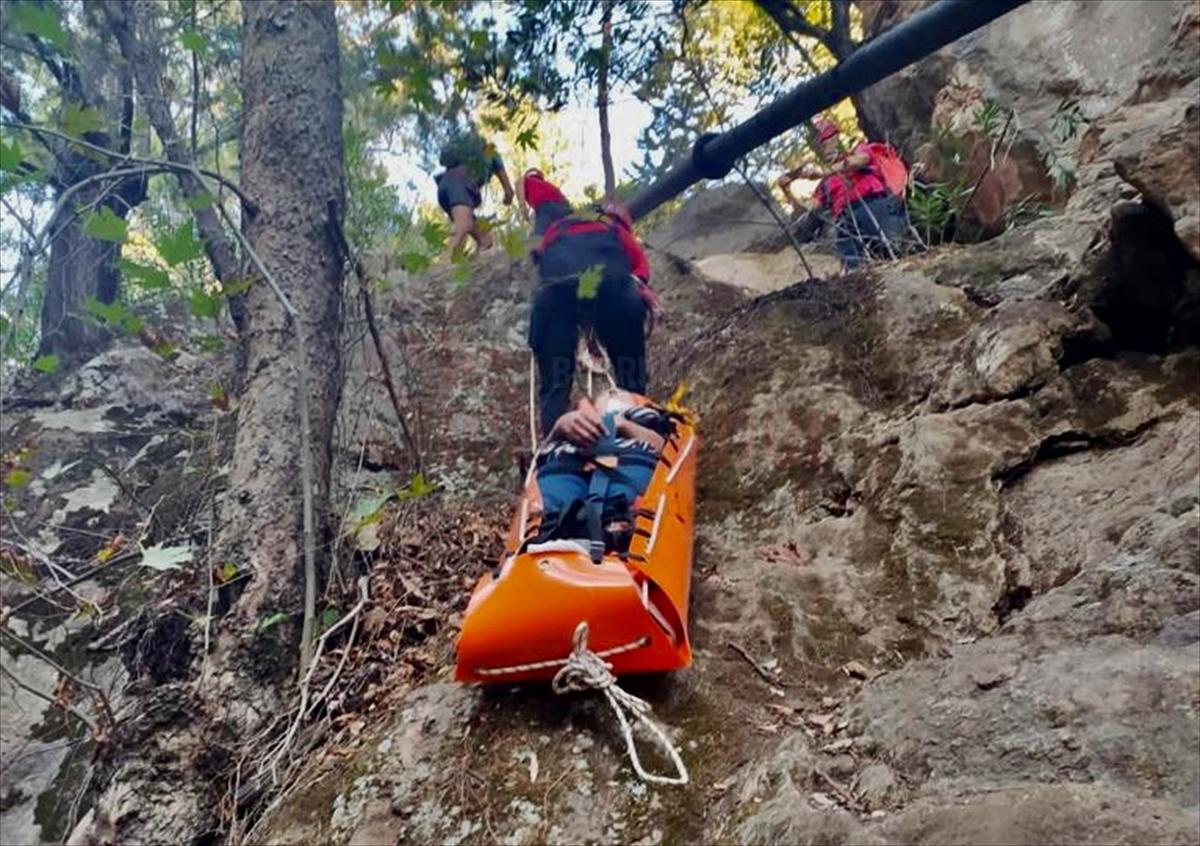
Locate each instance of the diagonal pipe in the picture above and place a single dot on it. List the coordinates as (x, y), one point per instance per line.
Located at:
(926, 32)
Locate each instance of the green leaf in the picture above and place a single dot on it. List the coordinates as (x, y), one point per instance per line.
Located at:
(210, 343)
(527, 139)
(414, 262)
(417, 488)
(201, 201)
(589, 282)
(227, 572)
(368, 510)
(113, 315)
(236, 286)
(163, 558)
(203, 304)
(514, 243)
(434, 234)
(40, 20)
(18, 477)
(179, 245)
(78, 120)
(46, 363)
(194, 42)
(461, 275)
(10, 156)
(328, 617)
(270, 621)
(144, 276)
(104, 225)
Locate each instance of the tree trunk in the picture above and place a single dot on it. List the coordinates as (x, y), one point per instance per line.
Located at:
(80, 267)
(610, 179)
(176, 762)
(292, 170)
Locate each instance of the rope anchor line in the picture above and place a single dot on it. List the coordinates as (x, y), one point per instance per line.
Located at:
(585, 670)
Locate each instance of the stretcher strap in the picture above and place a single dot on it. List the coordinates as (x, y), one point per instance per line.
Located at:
(586, 670)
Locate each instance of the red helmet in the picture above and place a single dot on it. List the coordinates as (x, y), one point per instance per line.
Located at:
(825, 128)
(617, 210)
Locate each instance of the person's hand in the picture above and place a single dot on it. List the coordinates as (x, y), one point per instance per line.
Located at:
(811, 171)
(508, 198)
(784, 182)
(582, 427)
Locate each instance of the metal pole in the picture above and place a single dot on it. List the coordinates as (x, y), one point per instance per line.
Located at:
(924, 33)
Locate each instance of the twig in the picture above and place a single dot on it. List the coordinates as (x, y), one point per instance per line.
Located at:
(159, 164)
(65, 706)
(105, 710)
(82, 577)
(339, 238)
(302, 710)
(991, 161)
(212, 520)
(758, 668)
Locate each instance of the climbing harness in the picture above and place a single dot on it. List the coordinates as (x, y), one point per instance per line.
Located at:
(587, 670)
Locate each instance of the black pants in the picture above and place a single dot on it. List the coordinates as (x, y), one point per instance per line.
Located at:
(617, 313)
(864, 224)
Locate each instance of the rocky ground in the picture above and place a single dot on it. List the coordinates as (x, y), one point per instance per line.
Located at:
(949, 505)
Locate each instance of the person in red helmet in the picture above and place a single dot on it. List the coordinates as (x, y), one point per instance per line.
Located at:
(854, 189)
(537, 194)
(617, 308)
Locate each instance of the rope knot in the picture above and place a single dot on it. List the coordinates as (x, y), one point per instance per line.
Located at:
(585, 670)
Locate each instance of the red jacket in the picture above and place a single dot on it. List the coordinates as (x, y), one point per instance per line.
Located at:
(840, 189)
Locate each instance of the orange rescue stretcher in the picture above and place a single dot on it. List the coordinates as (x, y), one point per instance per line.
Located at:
(522, 616)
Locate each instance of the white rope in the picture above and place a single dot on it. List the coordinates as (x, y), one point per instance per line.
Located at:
(533, 440)
(585, 670)
(561, 662)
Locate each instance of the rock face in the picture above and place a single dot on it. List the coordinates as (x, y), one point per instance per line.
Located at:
(956, 510)
(1060, 66)
(115, 452)
(729, 218)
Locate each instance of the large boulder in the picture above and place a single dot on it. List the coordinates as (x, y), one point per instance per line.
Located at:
(729, 218)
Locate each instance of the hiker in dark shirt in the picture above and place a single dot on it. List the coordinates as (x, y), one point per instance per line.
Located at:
(470, 163)
(615, 301)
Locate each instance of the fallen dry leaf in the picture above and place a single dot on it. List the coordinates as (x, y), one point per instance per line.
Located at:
(838, 746)
(857, 670)
(823, 801)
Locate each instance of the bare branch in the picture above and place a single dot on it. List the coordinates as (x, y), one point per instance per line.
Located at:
(163, 165)
(146, 68)
(790, 18)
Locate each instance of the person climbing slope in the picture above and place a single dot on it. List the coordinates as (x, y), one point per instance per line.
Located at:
(854, 188)
(470, 162)
(591, 270)
(537, 194)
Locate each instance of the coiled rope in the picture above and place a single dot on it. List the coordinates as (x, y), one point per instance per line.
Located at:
(585, 670)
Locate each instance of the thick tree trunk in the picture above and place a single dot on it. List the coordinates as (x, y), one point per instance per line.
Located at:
(80, 267)
(170, 770)
(292, 170)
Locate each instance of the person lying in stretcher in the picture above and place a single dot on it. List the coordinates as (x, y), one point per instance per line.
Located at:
(595, 464)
